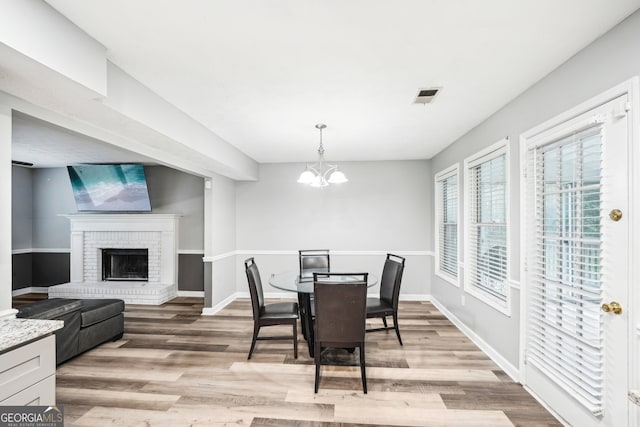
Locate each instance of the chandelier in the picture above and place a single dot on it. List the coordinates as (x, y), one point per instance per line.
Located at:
(315, 176)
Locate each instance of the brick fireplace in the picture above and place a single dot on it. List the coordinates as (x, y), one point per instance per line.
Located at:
(93, 233)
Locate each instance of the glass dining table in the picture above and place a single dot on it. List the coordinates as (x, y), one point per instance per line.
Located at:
(292, 282)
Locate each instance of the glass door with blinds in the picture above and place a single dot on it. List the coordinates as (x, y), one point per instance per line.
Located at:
(576, 266)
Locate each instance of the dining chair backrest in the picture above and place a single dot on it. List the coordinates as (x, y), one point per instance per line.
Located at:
(314, 261)
(340, 307)
(255, 287)
(391, 279)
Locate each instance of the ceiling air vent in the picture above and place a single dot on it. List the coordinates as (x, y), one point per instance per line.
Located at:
(19, 163)
(426, 96)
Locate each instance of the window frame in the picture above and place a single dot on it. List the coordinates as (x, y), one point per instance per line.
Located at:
(440, 177)
(485, 155)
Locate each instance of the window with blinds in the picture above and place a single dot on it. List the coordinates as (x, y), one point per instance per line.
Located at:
(564, 264)
(447, 223)
(486, 227)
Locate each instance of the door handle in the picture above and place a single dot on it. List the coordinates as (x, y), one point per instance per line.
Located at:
(615, 215)
(613, 307)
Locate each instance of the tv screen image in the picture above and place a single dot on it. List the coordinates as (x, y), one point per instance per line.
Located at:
(110, 188)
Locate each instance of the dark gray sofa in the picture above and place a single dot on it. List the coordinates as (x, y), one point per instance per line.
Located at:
(87, 322)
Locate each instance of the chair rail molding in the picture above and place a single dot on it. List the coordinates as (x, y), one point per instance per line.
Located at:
(41, 251)
(214, 258)
(334, 252)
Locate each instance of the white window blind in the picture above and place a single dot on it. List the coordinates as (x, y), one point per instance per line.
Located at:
(447, 220)
(564, 264)
(486, 238)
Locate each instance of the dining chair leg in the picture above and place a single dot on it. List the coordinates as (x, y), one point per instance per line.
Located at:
(384, 320)
(395, 324)
(295, 339)
(256, 329)
(317, 361)
(363, 369)
(302, 307)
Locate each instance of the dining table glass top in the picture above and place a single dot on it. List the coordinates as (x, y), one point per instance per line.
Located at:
(291, 281)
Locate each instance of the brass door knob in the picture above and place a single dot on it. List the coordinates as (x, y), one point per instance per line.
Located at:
(612, 307)
(615, 215)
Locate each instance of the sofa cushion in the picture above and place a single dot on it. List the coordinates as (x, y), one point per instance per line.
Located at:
(50, 308)
(97, 310)
(100, 332)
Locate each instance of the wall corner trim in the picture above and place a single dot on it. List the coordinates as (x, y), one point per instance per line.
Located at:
(499, 360)
(210, 311)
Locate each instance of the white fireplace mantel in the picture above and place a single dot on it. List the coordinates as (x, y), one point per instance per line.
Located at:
(90, 233)
(124, 222)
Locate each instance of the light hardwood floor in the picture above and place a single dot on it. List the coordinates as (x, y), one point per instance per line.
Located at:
(175, 367)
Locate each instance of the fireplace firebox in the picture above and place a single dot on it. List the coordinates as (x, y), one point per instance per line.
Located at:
(125, 265)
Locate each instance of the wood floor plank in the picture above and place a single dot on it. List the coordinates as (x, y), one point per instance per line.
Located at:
(425, 417)
(361, 402)
(175, 367)
(120, 399)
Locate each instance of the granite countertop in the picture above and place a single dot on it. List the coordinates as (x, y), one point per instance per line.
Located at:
(14, 332)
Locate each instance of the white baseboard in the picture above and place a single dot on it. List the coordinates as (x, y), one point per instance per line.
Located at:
(8, 314)
(199, 294)
(30, 290)
(499, 360)
(210, 311)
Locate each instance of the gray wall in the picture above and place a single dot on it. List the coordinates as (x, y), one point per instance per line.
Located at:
(21, 208)
(190, 272)
(21, 270)
(41, 195)
(175, 192)
(52, 196)
(605, 63)
(385, 206)
(170, 191)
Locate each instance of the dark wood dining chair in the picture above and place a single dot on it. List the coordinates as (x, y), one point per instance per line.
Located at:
(340, 302)
(314, 261)
(387, 304)
(282, 313)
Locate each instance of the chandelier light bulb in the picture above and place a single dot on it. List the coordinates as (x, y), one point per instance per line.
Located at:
(337, 177)
(306, 177)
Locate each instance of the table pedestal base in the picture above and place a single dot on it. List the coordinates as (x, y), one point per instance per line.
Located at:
(306, 320)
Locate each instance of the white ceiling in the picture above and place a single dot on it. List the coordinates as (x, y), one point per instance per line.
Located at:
(261, 73)
(47, 146)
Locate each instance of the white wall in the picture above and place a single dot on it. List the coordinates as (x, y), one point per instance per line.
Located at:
(605, 63)
(220, 242)
(52, 40)
(5, 212)
(60, 74)
(385, 207)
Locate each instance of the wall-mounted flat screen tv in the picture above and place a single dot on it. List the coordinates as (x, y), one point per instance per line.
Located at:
(110, 188)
